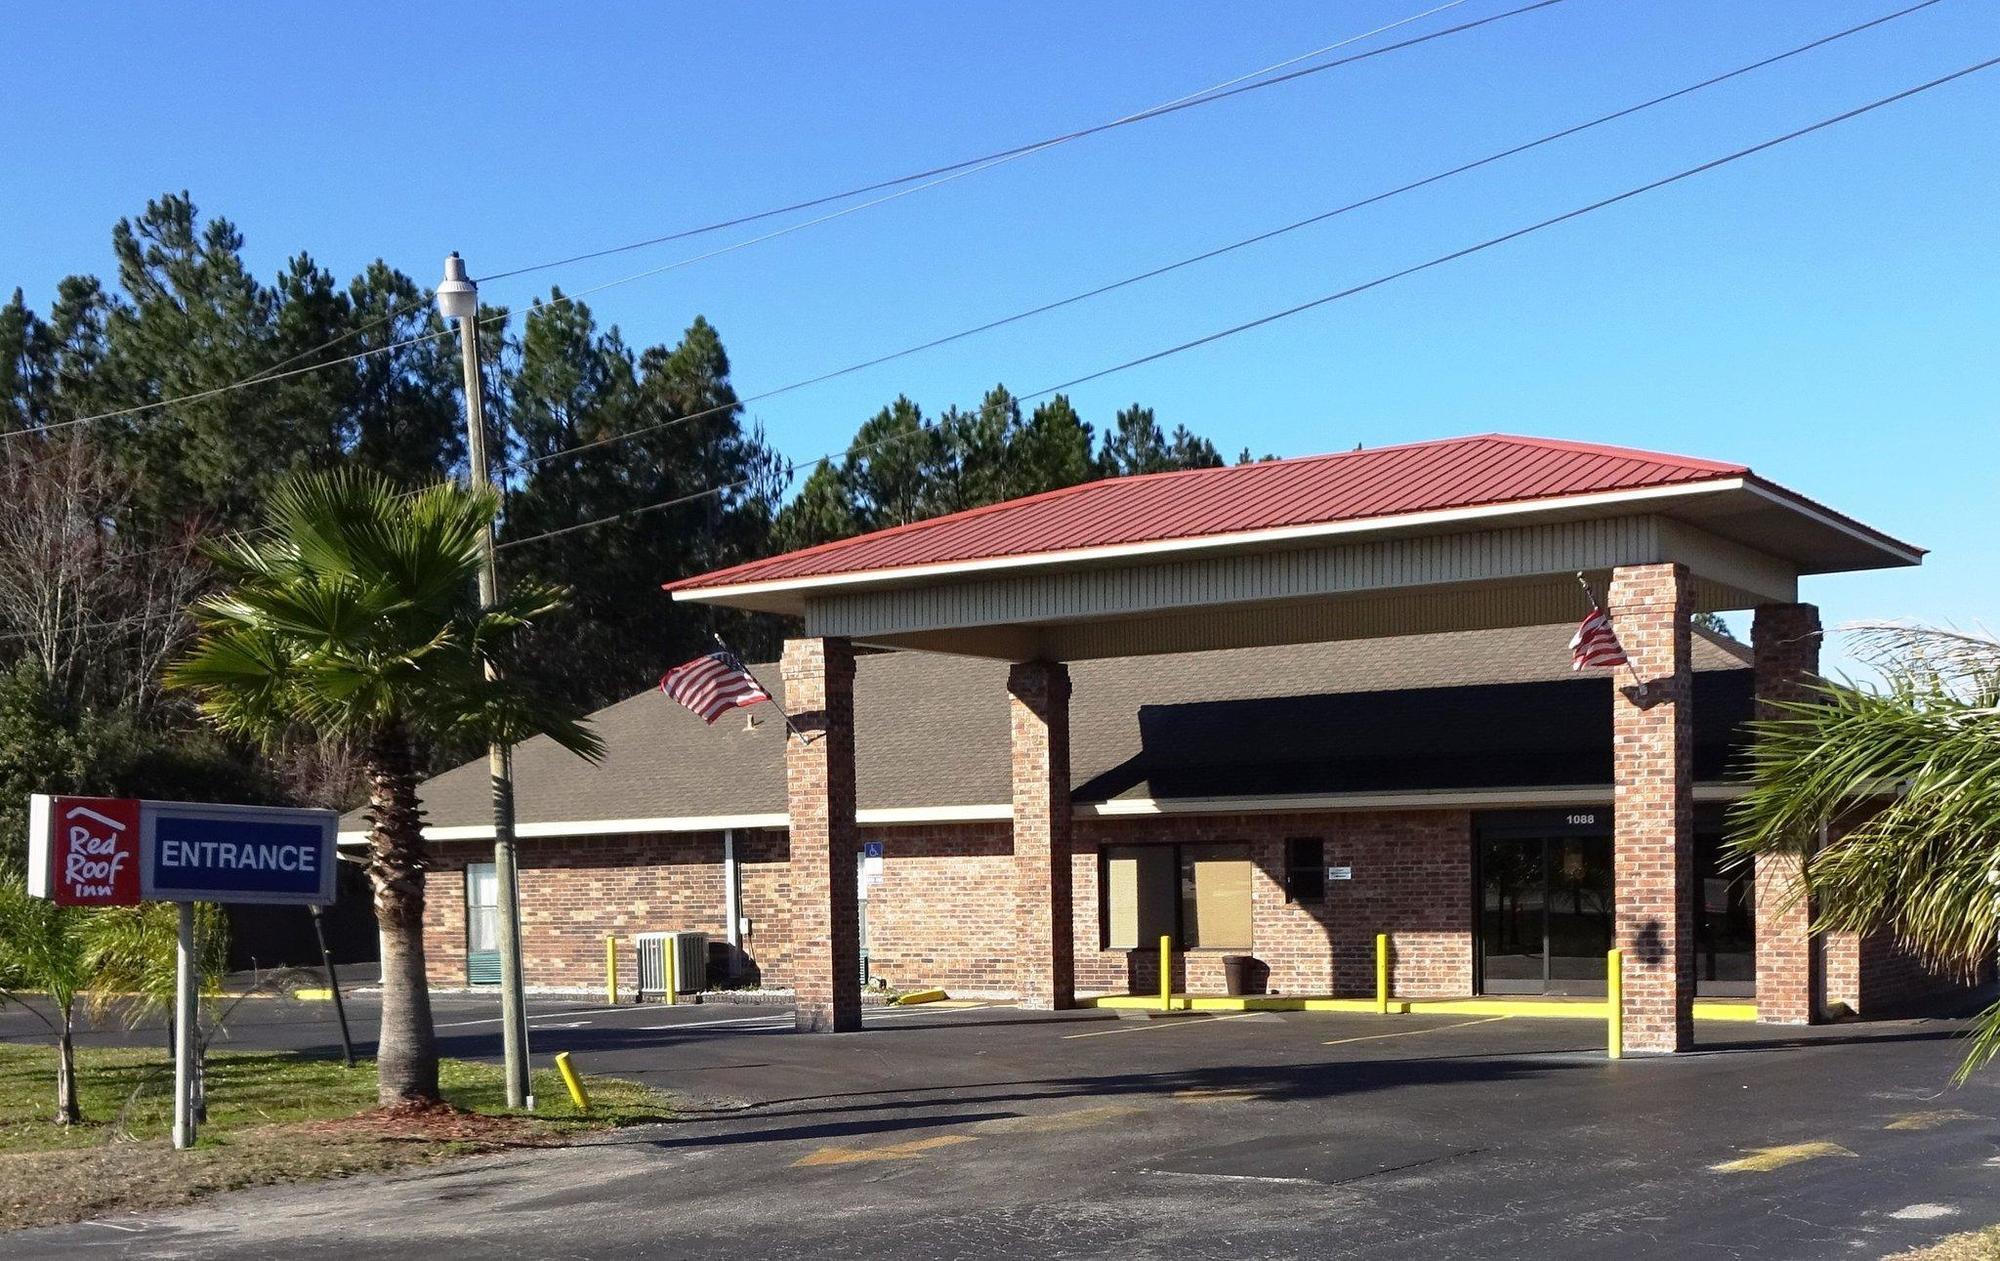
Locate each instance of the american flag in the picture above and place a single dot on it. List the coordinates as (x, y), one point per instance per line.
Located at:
(712, 685)
(1595, 645)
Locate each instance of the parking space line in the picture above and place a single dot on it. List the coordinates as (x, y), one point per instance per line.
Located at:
(774, 1021)
(1150, 1026)
(533, 1016)
(1404, 1033)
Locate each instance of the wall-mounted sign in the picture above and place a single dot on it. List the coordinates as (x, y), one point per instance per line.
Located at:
(98, 851)
(871, 849)
(1340, 873)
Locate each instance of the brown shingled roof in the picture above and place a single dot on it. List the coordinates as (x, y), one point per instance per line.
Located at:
(932, 730)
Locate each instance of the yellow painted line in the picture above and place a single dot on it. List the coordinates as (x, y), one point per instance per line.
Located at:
(1930, 1120)
(1057, 1122)
(1765, 1159)
(313, 996)
(1215, 1094)
(1246, 1002)
(1166, 1024)
(894, 1151)
(1405, 1033)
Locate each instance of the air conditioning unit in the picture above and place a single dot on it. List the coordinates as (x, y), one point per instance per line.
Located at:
(689, 952)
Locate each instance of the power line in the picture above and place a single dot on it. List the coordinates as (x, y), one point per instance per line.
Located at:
(532, 462)
(1206, 96)
(1517, 233)
(1349, 292)
(967, 166)
(199, 395)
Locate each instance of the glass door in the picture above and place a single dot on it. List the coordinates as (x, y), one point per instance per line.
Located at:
(1513, 950)
(1545, 913)
(1579, 913)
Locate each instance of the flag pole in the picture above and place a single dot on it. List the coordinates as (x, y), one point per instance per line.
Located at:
(760, 683)
(1591, 598)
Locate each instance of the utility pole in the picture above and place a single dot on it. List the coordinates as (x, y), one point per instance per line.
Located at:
(458, 298)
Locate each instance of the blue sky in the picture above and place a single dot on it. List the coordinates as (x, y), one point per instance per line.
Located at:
(1828, 313)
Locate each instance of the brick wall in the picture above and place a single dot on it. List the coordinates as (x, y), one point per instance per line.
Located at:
(1876, 978)
(945, 913)
(575, 891)
(1412, 879)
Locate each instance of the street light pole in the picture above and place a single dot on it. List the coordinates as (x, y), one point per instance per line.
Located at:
(458, 298)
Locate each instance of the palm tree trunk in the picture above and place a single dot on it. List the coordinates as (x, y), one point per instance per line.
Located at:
(68, 1111)
(406, 1055)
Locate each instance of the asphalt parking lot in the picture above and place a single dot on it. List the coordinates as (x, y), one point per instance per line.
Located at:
(990, 1131)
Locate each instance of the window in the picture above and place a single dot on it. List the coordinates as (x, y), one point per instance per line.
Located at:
(1199, 895)
(1305, 869)
(1138, 884)
(1215, 897)
(482, 908)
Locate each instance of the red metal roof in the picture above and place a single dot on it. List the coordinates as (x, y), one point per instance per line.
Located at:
(1485, 469)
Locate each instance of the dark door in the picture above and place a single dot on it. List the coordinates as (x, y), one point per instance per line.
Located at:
(1545, 916)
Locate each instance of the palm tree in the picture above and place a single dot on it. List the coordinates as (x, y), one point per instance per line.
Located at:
(1902, 778)
(43, 947)
(353, 619)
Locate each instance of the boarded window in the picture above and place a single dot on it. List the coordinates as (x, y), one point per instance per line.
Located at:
(1215, 897)
(1138, 895)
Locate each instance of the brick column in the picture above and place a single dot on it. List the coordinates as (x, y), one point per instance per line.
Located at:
(1785, 641)
(1653, 805)
(1046, 942)
(819, 783)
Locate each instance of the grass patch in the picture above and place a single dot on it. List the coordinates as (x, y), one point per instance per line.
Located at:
(1978, 1245)
(272, 1117)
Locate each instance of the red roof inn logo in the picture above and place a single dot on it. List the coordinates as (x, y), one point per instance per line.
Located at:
(93, 851)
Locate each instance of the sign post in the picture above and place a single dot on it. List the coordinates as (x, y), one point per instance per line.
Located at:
(186, 991)
(114, 851)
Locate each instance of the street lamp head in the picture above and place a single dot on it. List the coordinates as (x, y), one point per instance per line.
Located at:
(457, 296)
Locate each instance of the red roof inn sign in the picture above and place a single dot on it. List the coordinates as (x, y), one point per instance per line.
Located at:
(116, 851)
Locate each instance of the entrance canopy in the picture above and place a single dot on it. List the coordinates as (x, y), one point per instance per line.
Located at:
(1459, 534)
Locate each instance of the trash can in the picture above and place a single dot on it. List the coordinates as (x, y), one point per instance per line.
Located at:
(1235, 975)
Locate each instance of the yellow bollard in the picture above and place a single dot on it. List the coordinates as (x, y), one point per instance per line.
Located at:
(1614, 1004)
(1381, 974)
(673, 974)
(611, 971)
(577, 1093)
(1166, 972)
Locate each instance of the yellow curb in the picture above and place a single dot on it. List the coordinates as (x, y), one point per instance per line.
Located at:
(1246, 1002)
(313, 996)
(914, 997)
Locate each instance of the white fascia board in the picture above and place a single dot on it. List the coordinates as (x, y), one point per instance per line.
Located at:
(1220, 542)
(1471, 798)
(1480, 798)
